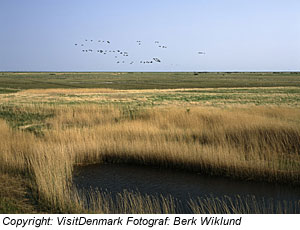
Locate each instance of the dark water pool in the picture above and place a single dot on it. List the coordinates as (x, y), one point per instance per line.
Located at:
(181, 185)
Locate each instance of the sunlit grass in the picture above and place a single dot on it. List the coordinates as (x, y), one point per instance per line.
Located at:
(247, 143)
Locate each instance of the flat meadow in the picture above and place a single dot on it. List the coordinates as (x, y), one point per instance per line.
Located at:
(243, 126)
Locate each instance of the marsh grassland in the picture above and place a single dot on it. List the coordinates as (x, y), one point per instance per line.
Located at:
(249, 130)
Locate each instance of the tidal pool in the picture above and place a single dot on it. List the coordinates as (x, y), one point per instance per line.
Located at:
(183, 186)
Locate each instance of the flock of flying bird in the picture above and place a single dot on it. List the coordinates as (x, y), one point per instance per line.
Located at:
(117, 53)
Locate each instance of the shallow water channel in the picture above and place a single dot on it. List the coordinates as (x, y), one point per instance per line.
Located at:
(181, 185)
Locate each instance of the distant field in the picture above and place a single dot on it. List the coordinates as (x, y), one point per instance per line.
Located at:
(144, 89)
(146, 80)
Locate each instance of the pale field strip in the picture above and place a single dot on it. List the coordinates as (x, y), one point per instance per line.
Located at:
(109, 90)
(181, 97)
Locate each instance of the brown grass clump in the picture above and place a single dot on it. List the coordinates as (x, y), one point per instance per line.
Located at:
(127, 203)
(15, 196)
(255, 143)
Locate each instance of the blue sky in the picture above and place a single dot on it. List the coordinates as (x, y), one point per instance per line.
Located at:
(236, 35)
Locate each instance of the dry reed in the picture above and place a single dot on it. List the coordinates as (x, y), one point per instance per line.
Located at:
(256, 143)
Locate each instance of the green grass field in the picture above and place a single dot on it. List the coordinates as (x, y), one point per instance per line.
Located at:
(144, 89)
(147, 80)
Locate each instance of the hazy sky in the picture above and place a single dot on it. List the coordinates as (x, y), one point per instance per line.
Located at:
(236, 35)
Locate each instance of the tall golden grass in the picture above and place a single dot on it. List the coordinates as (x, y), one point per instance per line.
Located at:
(255, 143)
(244, 205)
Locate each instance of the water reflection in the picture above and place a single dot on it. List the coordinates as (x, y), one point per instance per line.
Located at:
(181, 185)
